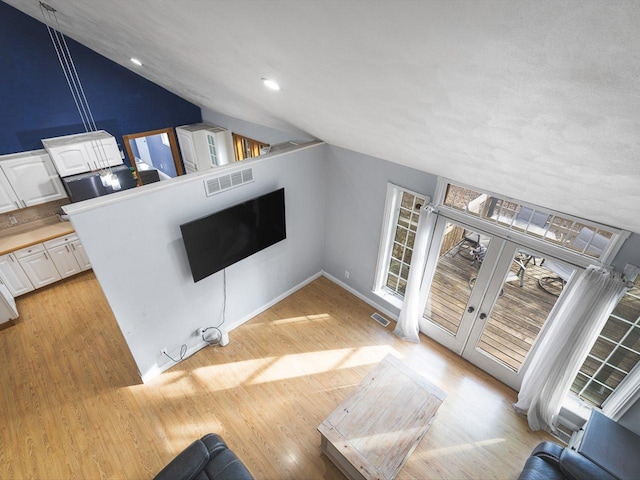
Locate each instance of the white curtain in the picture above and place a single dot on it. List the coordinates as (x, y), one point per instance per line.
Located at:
(407, 327)
(626, 394)
(572, 328)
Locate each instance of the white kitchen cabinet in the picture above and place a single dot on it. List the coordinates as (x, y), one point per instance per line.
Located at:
(81, 255)
(68, 255)
(13, 276)
(38, 265)
(8, 199)
(204, 146)
(65, 261)
(32, 177)
(84, 152)
(43, 263)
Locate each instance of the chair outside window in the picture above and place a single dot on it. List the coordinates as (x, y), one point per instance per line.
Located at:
(587, 241)
(471, 241)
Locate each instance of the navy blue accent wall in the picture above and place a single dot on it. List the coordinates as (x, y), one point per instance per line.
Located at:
(35, 101)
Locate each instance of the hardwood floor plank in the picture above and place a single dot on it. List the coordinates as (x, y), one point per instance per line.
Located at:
(72, 404)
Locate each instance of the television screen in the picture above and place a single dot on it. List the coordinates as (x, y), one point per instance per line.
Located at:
(216, 241)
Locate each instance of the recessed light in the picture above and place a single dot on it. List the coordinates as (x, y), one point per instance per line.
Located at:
(270, 84)
(135, 61)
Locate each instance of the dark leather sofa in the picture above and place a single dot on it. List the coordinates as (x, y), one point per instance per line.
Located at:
(602, 450)
(550, 461)
(206, 459)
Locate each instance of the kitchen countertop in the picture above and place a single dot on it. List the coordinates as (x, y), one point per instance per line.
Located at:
(28, 234)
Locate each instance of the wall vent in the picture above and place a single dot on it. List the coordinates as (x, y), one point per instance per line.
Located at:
(380, 319)
(225, 182)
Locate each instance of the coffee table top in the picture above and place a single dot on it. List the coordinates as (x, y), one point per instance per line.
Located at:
(382, 421)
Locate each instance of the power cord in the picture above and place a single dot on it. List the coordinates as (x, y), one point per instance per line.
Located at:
(183, 352)
(218, 337)
(224, 297)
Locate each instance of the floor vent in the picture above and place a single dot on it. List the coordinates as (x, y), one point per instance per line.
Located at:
(225, 182)
(380, 319)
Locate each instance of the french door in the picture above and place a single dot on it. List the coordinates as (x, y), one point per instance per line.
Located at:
(483, 300)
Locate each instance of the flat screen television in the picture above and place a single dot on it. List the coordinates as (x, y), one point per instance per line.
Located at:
(223, 238)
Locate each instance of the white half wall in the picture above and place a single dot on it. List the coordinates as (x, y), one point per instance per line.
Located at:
(134, 243)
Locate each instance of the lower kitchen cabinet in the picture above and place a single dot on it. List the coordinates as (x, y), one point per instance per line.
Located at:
(13, 276)
(38, 265)
(42, 264)
(68, 255)
(81, 255)
(64, 260)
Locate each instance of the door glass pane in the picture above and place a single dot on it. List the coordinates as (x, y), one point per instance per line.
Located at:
(527, 296)
(460, 258)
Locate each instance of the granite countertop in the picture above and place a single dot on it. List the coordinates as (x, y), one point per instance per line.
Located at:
(28, 234)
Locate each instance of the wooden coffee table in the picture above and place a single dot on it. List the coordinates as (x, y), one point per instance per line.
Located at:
(372, 433)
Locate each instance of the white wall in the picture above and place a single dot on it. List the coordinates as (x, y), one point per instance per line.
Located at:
(356, 192)
(629, 253)
(335, 201)
(631, 419)
(134, 243)
(356, 188)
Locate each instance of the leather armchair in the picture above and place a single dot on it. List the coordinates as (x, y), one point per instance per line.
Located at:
(206, 459)
(550, 461)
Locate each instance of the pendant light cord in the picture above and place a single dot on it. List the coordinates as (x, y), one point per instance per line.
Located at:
(73, 81)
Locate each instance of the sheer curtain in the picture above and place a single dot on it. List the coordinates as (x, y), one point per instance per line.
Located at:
(407, 327)
(573, 326)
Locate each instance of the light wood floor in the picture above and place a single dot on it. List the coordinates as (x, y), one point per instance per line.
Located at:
(72, 405)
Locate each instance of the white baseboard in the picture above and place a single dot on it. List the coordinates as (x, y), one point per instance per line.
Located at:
(351, 290)
(158, 369)
(270, 304)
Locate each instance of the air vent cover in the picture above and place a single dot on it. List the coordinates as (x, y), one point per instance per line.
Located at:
(225, 182)
(380, 319)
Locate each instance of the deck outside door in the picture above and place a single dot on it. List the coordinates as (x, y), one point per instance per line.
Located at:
(490, 309)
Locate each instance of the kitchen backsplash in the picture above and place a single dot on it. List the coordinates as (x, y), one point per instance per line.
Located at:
(26, 215)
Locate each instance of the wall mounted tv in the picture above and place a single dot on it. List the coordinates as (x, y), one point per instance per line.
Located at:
(221, 239)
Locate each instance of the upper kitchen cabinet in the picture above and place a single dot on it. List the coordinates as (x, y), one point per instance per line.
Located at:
(8, 198)
(204, 146)
(27, 179)
(84, 152)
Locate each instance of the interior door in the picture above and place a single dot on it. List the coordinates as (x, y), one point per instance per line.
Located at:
(483, 298)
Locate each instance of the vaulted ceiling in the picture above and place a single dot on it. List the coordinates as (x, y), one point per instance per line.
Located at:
(537, 100)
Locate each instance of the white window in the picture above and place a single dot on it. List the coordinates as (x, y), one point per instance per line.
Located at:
(396, 243)
(577, 241)
(614, 354)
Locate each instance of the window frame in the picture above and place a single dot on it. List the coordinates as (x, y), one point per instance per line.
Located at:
(544, 247)
(633, 325)
(393, 202)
